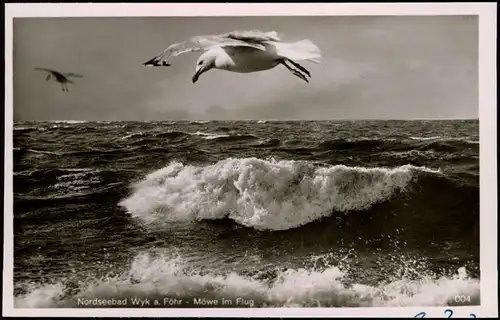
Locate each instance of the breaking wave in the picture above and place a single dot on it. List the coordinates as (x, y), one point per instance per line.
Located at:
(272, 195)
(159, 276)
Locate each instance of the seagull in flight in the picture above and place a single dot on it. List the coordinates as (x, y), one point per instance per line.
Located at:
(62, 78)
(243, 52)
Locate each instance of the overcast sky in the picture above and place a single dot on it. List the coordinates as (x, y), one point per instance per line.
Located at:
(373, 68)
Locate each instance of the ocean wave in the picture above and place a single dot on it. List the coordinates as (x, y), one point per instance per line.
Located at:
(273, 142)
(199, 122)
(49, 171)
(343, 144)
(132, 135)
(234, 138)
(71, 191)
(464, 139)
(171, 134)
(22, 128)
(272, 195)
(63, 183)
(447, 145)
(417, 155)
(223, 128)
(225, 137)
(77, 181)
(210, 136)
(46, 152)
(425, 138)
(435, 143)
(447, 139)
(160, 276)
(143, 138)
(70, 121)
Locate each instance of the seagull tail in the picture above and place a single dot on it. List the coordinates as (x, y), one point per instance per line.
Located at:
(300, 50)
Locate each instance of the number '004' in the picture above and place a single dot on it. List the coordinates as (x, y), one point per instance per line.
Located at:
(462, 299)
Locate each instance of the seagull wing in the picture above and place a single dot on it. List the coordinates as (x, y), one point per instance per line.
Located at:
(74, 75)
(46, 70)
(51, 71)
(253, 36)
(199, 43)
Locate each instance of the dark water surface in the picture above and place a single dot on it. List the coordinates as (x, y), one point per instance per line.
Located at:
(346, 213)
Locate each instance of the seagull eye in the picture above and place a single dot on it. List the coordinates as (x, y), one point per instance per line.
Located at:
(200, 63)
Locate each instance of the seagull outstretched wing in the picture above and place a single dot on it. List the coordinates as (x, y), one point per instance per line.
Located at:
(66, 75)
(50, 71)
(253, 38)
(74, 75)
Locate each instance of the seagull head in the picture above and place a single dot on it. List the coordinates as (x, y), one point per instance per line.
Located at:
(204, 63)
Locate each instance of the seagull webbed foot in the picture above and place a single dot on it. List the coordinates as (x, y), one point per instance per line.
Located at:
(301, 68)
(294, 71)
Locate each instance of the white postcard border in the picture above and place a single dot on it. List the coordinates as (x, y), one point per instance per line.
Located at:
(487, 128)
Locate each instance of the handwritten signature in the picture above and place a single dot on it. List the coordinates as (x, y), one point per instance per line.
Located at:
(447, 311)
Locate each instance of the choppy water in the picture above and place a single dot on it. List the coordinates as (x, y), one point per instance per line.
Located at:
(343, 214)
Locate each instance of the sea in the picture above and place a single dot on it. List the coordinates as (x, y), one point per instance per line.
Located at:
(235, 214)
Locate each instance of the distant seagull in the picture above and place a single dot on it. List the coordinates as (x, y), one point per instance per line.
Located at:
(62, 78)
(243, 52)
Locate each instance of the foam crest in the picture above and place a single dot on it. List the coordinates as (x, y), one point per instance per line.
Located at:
(156, 277)
(273, 195)
(40, 296)
(210, 136)
(425, 138)
(70, 121)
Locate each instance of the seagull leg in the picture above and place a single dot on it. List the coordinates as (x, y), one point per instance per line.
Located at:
(300, 75)
(295, 72)
(301, 68)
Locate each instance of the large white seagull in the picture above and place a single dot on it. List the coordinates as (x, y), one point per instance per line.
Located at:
(244, 52)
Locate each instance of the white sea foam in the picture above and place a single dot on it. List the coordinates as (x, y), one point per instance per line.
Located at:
(425, 138)
(199, 121)
(46, 152)
(464, 139)
(75, 183)
(132, 134)
(275, 195)
(210, 136)
(159, 276)
(70, 121)
(22, 128)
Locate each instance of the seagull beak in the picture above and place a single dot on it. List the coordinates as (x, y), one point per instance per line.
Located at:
(197, 74)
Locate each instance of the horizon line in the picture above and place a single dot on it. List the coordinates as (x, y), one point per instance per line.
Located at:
(261, 119)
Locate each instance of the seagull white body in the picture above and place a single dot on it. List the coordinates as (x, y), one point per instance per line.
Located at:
(236, 59)
(243, 52)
